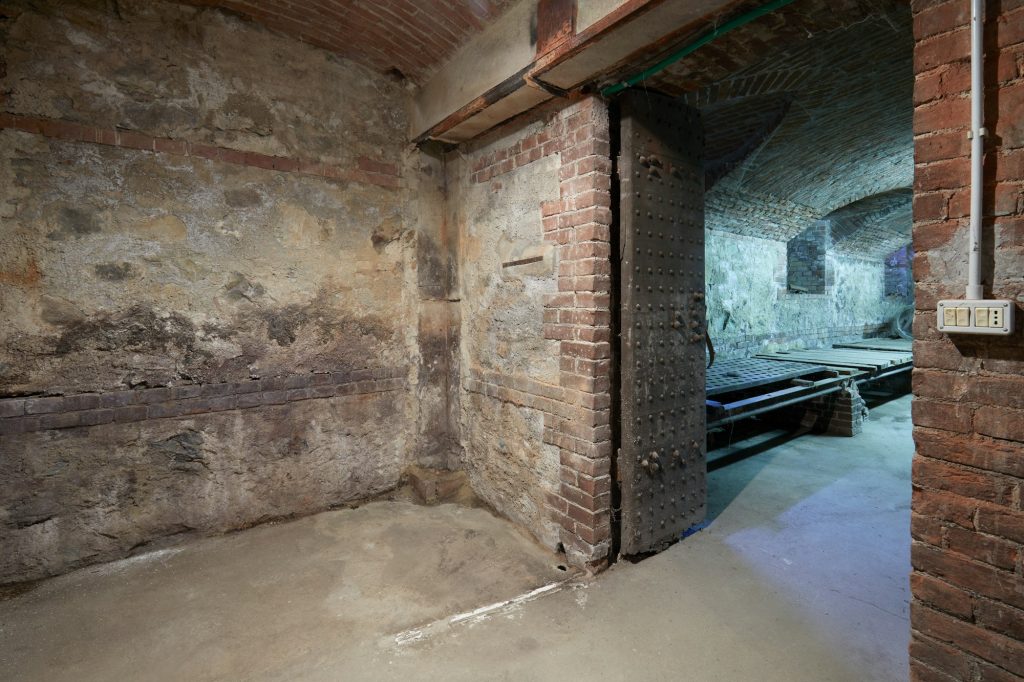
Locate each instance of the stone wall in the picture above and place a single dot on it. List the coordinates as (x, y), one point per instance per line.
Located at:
(967, 613)
(750, 309)
(205, 253)
(532, 206)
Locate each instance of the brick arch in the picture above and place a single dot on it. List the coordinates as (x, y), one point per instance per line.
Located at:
(802, 116)
(874, 226)
(736, 127)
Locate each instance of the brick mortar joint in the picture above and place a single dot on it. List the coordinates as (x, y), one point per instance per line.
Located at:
(90, 409)
(572, 397)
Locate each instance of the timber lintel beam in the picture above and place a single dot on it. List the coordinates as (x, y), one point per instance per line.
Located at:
(548, 48)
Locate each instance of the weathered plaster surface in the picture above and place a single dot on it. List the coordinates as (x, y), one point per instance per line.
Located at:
(203, 75)
(499, 222)
(129, 269)
(502, 226)
(437, 333)
(141, 269)
(749, 309)
(77, 496)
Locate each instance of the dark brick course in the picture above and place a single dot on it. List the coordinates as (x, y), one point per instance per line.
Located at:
(23, 415)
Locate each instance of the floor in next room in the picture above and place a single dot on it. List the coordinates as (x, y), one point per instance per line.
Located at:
(801, 576)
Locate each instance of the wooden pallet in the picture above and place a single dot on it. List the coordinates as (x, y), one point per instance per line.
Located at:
(728, 376)
(872, 362)
(746, 387)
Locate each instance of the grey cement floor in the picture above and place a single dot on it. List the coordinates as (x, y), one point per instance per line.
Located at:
(802, 575)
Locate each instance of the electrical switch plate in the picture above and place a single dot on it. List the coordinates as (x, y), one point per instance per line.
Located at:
(976, 317)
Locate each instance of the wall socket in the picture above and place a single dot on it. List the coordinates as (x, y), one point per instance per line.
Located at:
(976, 317)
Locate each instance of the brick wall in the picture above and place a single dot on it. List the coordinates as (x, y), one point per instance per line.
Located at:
(537, 326)
(580, 223)
(967, 615)
(807, 260)
(837, 414)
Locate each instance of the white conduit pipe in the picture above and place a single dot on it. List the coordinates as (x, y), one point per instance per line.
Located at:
(977, 135)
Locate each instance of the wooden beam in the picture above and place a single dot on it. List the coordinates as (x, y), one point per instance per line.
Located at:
(556, 22)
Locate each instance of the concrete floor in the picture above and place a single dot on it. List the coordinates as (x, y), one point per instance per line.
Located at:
(802, 575)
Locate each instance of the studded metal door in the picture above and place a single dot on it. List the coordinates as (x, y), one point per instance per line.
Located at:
(661, 461)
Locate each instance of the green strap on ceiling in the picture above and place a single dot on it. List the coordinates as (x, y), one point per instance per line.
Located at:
(695, 45)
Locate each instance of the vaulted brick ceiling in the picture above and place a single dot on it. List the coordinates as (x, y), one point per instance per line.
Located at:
(410, 37)
(874, 226)
(807, 111)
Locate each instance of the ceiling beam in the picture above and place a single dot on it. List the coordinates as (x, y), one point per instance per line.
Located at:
(502, 73)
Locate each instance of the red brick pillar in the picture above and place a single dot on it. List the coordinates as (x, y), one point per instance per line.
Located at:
(579, 317)
(967, 613)
(837, 414)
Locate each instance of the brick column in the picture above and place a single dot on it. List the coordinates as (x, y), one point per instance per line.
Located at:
(967, 613)
(837, 414)
(579, 316)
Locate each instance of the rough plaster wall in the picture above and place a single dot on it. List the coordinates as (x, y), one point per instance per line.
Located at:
(92, 495)
(150, 269)
(436, 282)
(504, 226)
(502, 331)
(204, 269)
(204, 75)
(749, 309)
(126, 269)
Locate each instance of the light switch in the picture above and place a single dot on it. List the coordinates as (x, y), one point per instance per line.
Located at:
(976, 316)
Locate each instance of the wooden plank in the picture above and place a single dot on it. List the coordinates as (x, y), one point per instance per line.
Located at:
(904, 345)
(873, 357)
(556, 21)
(777, 396)
(870, 363)
(818, 359)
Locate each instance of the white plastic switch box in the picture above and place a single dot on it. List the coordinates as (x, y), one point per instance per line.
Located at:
(976, 317)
